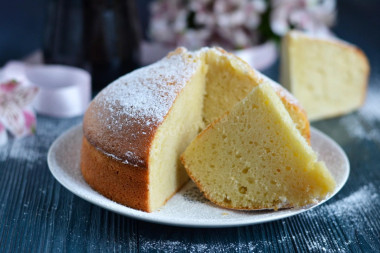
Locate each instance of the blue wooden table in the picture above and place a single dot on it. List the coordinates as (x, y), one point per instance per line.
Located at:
(38, 215)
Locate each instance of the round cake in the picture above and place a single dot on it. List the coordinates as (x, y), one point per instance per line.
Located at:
(137, 127)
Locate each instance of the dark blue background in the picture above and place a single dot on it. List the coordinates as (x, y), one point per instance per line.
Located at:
(22, 24)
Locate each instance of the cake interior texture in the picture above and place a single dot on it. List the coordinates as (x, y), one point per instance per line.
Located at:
(327, 76)
(216, 86)
(146, 170)
(227, 83)
(166, 172)
(254, 157)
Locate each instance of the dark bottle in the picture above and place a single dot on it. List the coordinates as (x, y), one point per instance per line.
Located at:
(63, 38)
(104, 38)
(111, 39)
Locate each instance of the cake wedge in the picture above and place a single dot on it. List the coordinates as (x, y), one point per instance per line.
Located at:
(328, 76)
(253, 157)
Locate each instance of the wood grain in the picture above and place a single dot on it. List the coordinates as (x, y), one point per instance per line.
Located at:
(38, 214)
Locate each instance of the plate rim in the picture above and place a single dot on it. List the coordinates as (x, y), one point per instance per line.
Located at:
(200, 223)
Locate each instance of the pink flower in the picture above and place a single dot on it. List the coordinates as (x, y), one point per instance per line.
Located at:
(235, 24)
(307, 15)
(30, 121)
(15, 112)
(3, 135)
(9, 86)
(199, 23)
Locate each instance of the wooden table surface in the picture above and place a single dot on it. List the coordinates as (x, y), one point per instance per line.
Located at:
(37, 214)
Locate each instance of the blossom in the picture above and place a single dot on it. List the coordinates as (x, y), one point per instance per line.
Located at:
(3, 135)
(16, 114)
(307, 15)
(228, 23)
(235, 24)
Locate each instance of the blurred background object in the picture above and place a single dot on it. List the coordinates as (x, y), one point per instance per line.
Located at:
(63, 41)
(16, 113)
(21, 28)
(235, 24)
(99, 35)
(248, 27)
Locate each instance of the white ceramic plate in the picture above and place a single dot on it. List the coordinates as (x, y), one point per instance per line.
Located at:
(188, 207)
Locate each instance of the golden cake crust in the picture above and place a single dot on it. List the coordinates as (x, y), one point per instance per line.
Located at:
(120, 182)
(123, 119)
(302, 122)
(123, 183)
(116, 143)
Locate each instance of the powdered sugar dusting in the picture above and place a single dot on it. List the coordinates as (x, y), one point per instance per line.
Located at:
(123, 118)
(365, 126)
(32, 149)
(148, 92)
(371, 109)
(352, 209)
(357, 129)
(130, 156)
(352, 206)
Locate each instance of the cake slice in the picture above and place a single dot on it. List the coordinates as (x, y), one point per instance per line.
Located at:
(254, 158)
(229, 79)
(327, 76)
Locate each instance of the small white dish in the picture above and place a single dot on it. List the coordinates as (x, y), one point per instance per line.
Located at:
(188, 208)
(64, 91)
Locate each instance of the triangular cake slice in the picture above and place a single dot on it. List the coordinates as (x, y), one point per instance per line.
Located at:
(328, 76)
(254, 158)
